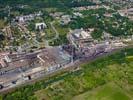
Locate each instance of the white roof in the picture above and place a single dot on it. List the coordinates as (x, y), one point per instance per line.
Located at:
(131, 9)
(84, 34)
(80, 33)
(39, 24)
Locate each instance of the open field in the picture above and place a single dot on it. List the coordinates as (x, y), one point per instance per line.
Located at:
(109, 78)
(129, 58)
(2, 24)
(107, 92)
(115, 89)
(49, 33)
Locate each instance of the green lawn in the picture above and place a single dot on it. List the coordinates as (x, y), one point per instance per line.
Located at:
(2, 24)
(63, 31)
(49, 33)
(129, 58)
(116, 87)
(107, 92)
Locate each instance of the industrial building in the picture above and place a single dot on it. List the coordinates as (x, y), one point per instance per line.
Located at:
(16, 68)
(80, 37)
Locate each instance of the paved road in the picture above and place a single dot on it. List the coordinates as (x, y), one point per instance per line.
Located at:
(56, 32)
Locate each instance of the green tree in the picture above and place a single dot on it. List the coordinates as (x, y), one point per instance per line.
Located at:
(97, 34)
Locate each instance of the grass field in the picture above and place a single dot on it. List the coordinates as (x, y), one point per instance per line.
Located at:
(129, 58)
(115, 89)
(107, 92)
(2, 24)
(114, 81)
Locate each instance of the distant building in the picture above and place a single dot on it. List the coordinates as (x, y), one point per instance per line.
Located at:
(56, 15)
(2, 63)
(77, 14)
(80, 37)
(96, 1)
(130, 11)
(4, 59)
(119, 1)
(87, 8)
(24, 18)
(107, 36)
(65, 19)
(108, 15)
(126, 12)
(122, 12)
(40, 26)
